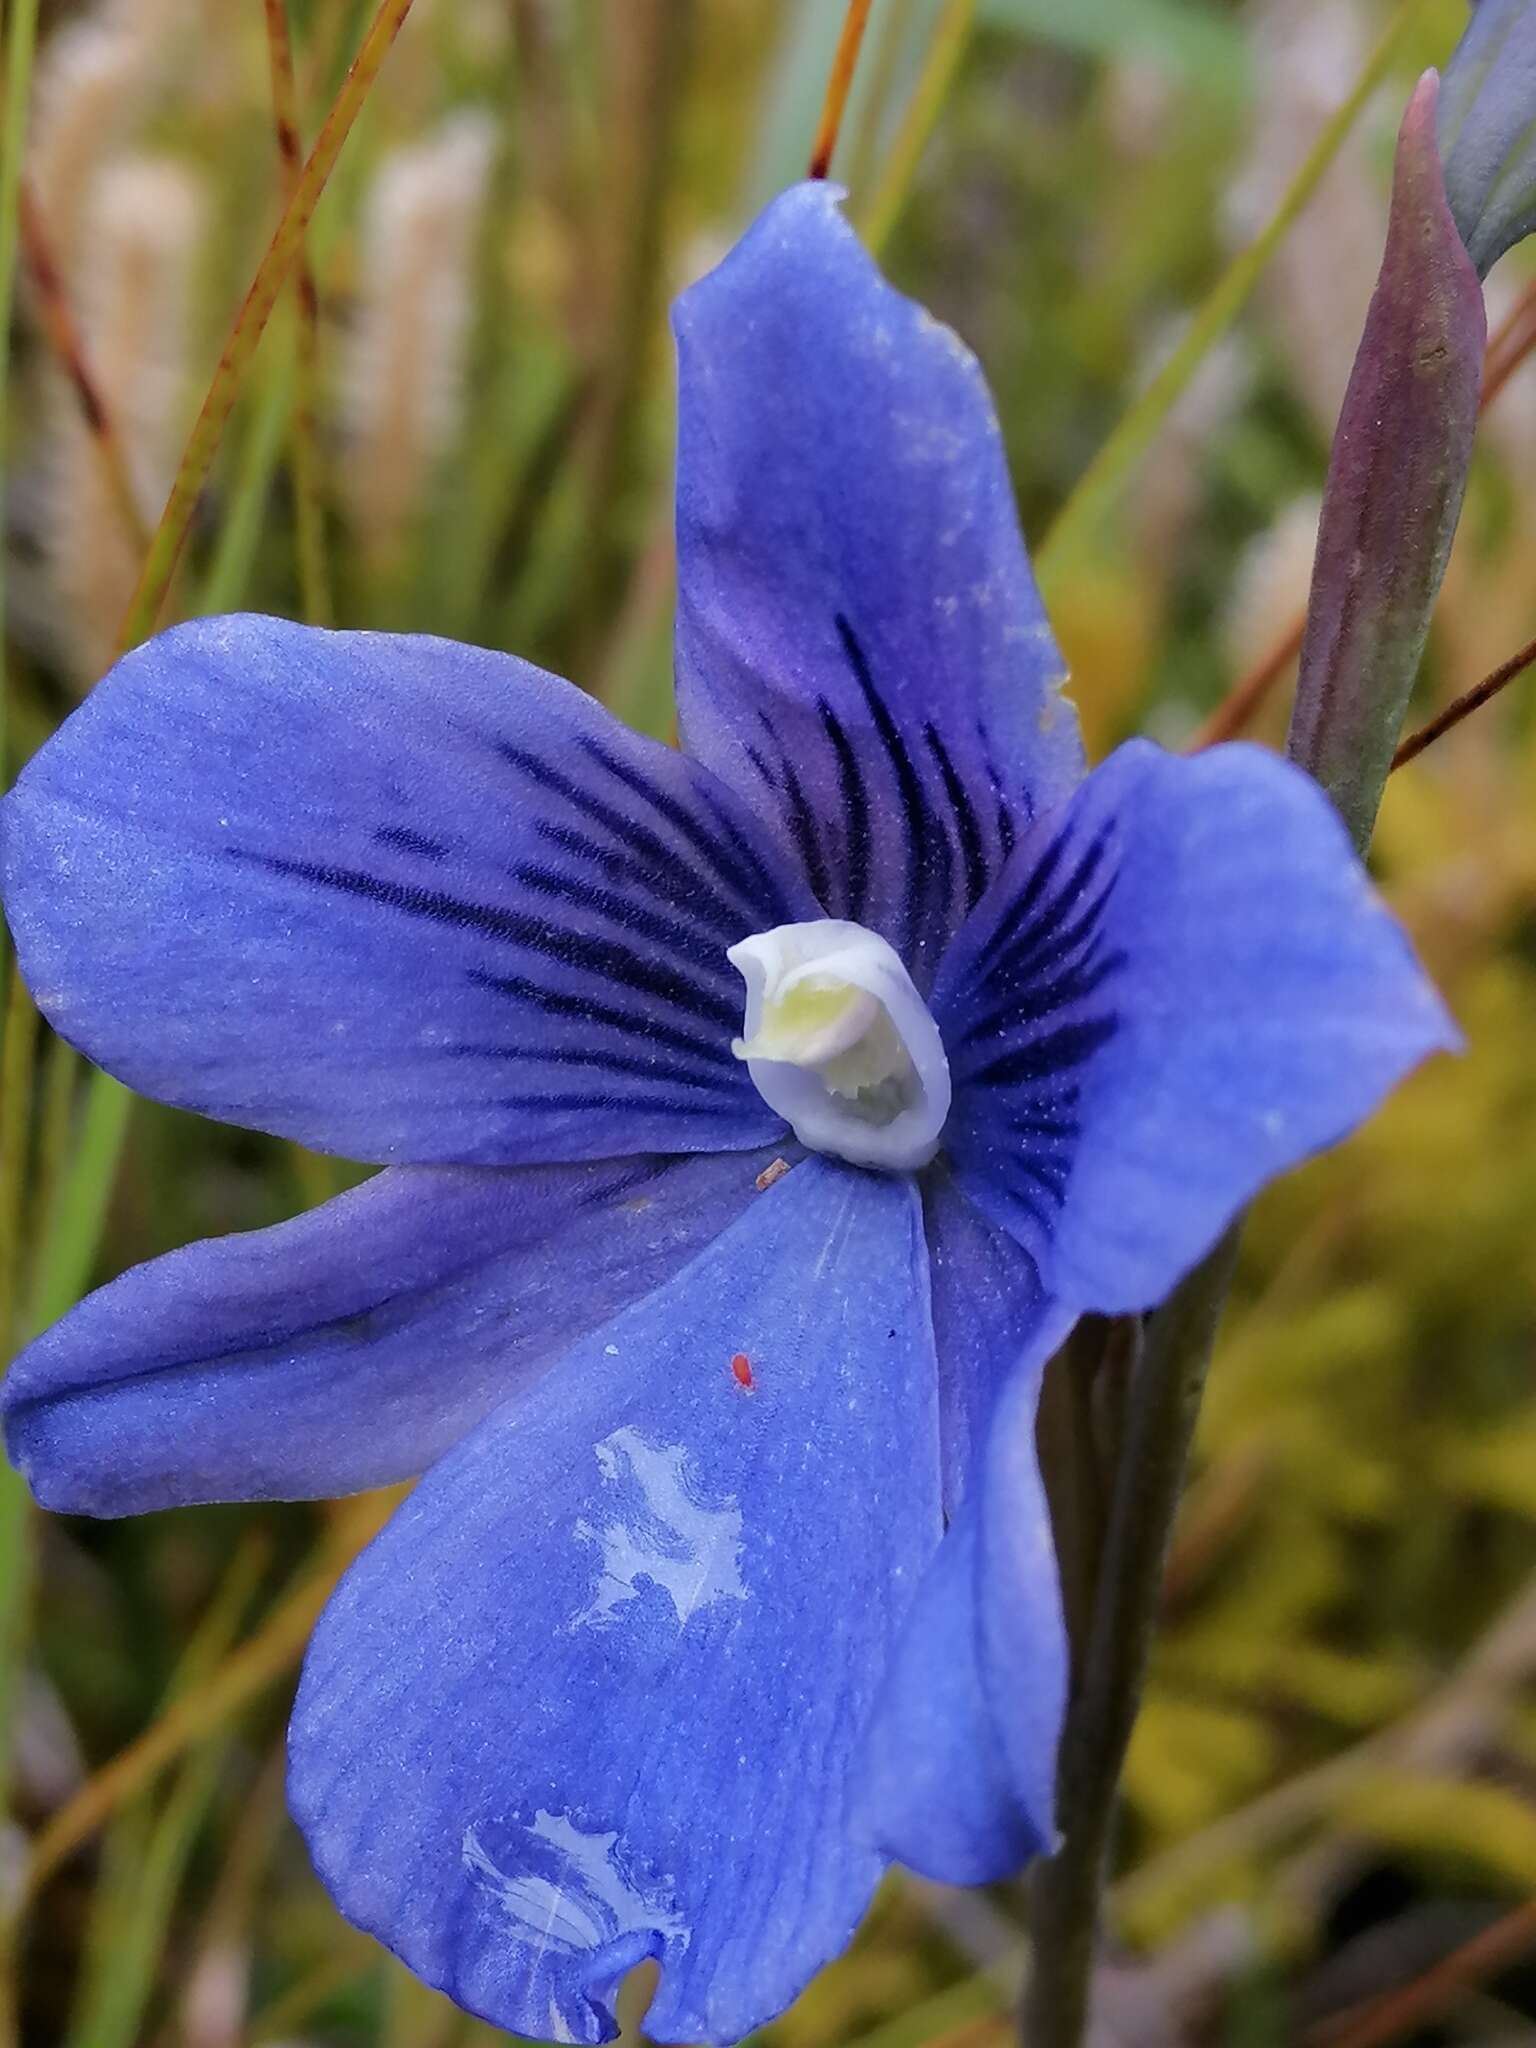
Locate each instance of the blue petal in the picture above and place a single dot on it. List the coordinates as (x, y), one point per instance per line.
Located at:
(398, 898)
(1182, 986)
(595, 1692)
(355, 1345)
(959, 1772)
(987, 1308)
(861, 648)
(1487, 129)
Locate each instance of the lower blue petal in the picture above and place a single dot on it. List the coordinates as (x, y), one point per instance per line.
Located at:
(987, 1312)
(356, 1344)
(596, 1692)
(959, 1773)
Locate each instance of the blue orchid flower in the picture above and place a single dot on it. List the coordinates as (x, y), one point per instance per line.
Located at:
(757, 1119)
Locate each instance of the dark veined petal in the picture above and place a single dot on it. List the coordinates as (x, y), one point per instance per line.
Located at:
(595, 1692)
(398, 898)
(1184, 985)
(861, 648)
(959, 1771)
(355, 1345)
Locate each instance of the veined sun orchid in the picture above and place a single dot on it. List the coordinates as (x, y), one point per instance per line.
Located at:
(730, 1577)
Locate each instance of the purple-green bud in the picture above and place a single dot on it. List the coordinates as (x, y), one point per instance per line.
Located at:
(1395, 484)
(1487, 129)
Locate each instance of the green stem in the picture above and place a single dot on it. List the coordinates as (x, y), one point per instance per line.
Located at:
(1159, 1424)
(72, 1234)
(250, 324)
(17, 1068)
(234, 553)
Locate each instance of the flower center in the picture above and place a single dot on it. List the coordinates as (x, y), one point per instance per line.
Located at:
(839, 1042)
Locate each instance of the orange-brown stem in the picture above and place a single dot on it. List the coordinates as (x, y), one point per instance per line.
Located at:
(839, 84)
(1463, 707)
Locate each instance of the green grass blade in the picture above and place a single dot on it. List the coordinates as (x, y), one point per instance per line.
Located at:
(72, 1234)
(951, 33)
(251, 322)
(1084, 513)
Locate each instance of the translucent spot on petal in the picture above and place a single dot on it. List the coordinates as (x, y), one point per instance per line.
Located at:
(571, 1894)
(660, 1533)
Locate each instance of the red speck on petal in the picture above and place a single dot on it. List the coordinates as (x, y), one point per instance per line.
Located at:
(741, 1367)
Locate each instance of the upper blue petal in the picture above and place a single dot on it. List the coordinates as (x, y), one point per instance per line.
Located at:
(395, 897)
(354, 1345)
(861, 648)
(1183, 985)
(596, 1692)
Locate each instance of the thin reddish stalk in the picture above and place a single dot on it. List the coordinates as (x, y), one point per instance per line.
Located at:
(1510, 344)
(68, 343)
(1241, 703)
(839, 84)
(1464, 705)
(308, 518)
(1389, 2018)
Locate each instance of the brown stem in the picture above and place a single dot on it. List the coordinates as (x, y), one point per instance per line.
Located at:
(1404, 2010)
(1242, 702)
(1463, 707)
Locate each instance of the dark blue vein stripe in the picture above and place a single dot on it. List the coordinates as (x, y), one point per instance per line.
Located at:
(1039, 911)
(1024, 905)
(1041, 1216)
(624, 827)
(972, 852)
(622, 1065)
(1050, 945)
(1007, 832)
(920, 825)
(1031, 1004)
(687, 943)
(598, 1104)
(1047, 1170)
(855, 798)
(600, 1058)
(1058, 1052)
(604, 958)
(403, 840)
(705, 908)
(1064, 1129)
(803, 828)
(582, 1010)
(738, 865)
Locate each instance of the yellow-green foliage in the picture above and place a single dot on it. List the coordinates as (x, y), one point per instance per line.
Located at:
(1363, 1506)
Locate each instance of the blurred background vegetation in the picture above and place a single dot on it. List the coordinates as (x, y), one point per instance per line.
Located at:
(1330, 1835)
